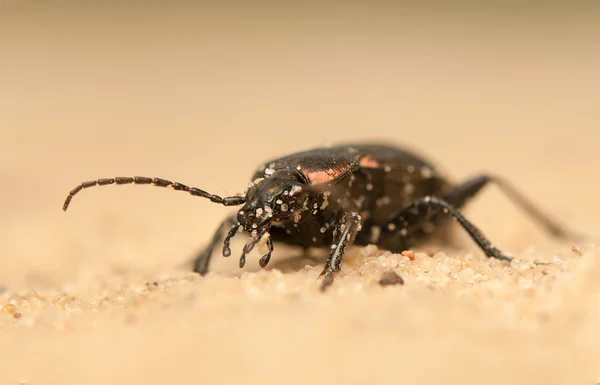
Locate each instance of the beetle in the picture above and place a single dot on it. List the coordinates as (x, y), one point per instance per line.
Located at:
(355, 193)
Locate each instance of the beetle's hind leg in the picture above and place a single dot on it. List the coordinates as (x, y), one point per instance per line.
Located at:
(461, 194)
(413, 221)
(202, 261)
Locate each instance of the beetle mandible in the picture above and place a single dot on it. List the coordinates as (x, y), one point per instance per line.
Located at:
(332, 197)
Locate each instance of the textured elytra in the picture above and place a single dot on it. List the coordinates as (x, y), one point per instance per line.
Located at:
(348, 194)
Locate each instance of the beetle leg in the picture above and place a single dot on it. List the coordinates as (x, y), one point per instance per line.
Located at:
(424, 209)
(345, 231)
(459, 196)
(203, 260)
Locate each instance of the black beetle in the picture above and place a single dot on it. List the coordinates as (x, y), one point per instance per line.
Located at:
(335, 196)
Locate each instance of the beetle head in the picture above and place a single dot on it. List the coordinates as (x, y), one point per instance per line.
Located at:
(271, 199)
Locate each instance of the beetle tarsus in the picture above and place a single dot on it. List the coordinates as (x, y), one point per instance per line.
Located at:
(327, 280)
(345, 232)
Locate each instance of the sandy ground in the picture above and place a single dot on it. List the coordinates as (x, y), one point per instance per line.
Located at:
(101, 294)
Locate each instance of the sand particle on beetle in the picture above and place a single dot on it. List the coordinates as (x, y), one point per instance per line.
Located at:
(394, 190)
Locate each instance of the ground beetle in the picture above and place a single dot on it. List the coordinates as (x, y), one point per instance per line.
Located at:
(335, 196)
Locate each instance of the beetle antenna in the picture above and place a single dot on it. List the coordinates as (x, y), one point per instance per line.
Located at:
(227, 201)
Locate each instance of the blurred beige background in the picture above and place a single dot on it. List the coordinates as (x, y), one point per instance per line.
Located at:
(201, 94)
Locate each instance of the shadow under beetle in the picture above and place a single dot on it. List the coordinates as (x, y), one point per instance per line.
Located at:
(335, 196)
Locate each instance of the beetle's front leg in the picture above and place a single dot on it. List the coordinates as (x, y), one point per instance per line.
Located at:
(202, 261)
(345, 231)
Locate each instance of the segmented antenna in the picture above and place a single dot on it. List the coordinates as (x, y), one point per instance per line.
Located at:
(227, 201)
